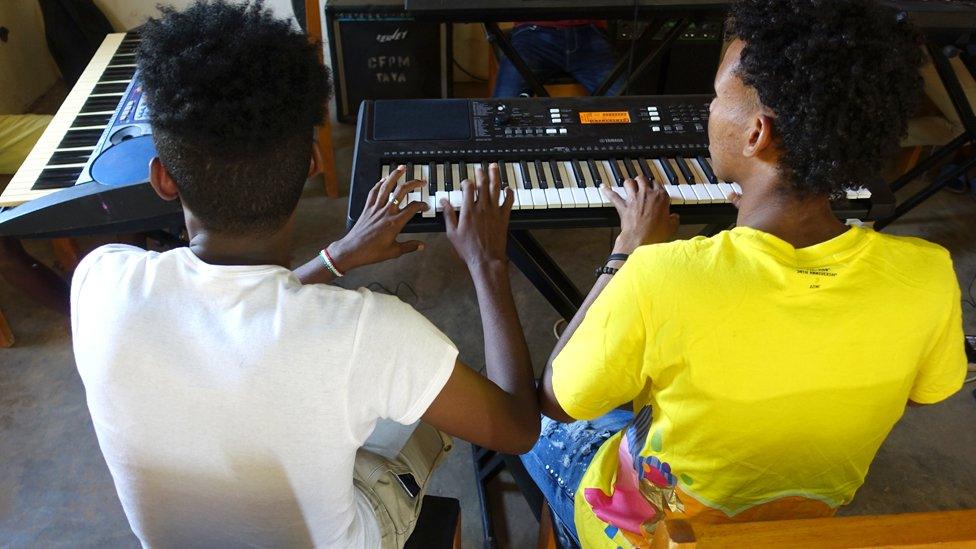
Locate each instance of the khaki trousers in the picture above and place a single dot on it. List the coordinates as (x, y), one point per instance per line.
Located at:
(387, 484)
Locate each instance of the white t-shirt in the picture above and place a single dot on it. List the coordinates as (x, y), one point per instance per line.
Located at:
(229, 401)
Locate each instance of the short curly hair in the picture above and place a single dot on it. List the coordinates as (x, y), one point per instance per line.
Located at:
(234, 95)
(842, 78)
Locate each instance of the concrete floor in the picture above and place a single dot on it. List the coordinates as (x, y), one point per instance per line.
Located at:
(56, 491)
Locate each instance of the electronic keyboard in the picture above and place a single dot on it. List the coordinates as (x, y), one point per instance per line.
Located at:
(555, 153)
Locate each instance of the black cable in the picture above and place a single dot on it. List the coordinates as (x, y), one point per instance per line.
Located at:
(465, 71)
(970, 297)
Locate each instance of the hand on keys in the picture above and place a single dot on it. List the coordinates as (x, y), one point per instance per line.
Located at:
(644, 214)
(479, 232)
(374, 236)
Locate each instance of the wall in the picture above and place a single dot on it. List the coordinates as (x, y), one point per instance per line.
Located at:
(26, 68)
(127, 14)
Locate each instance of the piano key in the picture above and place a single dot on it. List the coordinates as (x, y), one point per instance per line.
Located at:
(552, 192)
(539, 200)
(679, 175)
(688, 194)
(685, 170)
(455, 178)
(537, 170)
(627, 168)
(407, 174)
(80, 138)
(850, 194)
(513, 184)
(726, 189)
(575, 186)
(105, 89)
(502, 174)
(57, 178)
(592, 175)
(462, 174)
(523, 195)
(578, 173)
(715, 193)
(69, 157)
(614, 171)
(418, 172)
(423, 193)
(565, 185)
(863, 192)
(665, 167)
(654, 165)
(609, 175)
(558, 179)
(433, 171)
(702, 193)
(707, 168)
(595, 198)
(472, 175)
(736, 187)
(456, 198)
(675, 194)
(641, 167)
(384, 172)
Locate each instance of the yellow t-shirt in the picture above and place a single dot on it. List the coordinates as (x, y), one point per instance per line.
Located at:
(772, 372)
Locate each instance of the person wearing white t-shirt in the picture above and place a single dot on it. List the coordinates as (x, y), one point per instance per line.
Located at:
(232, 396)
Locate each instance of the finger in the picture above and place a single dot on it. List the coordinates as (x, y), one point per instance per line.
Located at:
(373, 192)
(631, 187)
(404, 188)
(450, 216)
(383, 195)
(481, 186)
(613, 197)
(642, 185)
(494, 183)
(507, 205)
(467, 195)
(409, 246)
(409, 211)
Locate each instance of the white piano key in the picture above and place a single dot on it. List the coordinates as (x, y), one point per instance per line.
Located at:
(702, 193)
(863, 192)
(688, 194)
(512, 184)
(579, 199)
(456, 198)
(726, 189)
(522, 195)
(736, 187)
(551, 192)
(659, 171)
(425, 196)
(595, 198)
(674, 193)
(715, 193)
(456, 174)
(472, 175)
(385, 172)
(418, 171)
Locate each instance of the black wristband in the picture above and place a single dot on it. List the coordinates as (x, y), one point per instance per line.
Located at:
(617, 257)
(604, 270)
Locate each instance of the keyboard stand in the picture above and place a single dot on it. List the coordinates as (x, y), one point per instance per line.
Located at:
(940, 58)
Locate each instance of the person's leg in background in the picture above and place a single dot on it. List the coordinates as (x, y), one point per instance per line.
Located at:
(559, 460)
(396, 487)
(590, 58)
(542, 50)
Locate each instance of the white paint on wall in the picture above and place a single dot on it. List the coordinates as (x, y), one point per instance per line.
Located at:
(128, 14)
(26, 67)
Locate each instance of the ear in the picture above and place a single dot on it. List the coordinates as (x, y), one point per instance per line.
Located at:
(760, 135)
(161, 181)
(315, 164)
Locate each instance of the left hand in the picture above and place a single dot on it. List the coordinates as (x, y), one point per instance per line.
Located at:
(374, 236)
(644, 214)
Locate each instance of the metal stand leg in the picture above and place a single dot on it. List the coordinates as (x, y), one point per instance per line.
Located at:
(496, 36)
(924, 195)
(531, 258)
(669, 39)
(649, 31)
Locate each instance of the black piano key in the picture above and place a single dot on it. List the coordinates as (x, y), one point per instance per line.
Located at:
(432, 178)
(69, 157)
(117, 73)
(645, 171)
(100, 104)
(448, 176)
(86, 120)
(686, 170)
(462, 172)
(79, 138)
(484, 166)
(540, 174)
(597, 180)
(503, 173)
(668, 172)
(408, 176)
(708, 170)
(615, 169)
(526, 180)
(117, 87)
(56, 178)
(556, 176)
(578, 174)
(629, 166)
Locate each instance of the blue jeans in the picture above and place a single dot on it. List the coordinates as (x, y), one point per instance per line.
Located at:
(559, 459)
(582, 52)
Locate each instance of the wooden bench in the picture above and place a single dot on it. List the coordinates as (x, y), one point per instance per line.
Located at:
(944, 529)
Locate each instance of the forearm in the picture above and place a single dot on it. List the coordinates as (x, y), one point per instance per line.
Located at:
(314, 272)
(507, 360)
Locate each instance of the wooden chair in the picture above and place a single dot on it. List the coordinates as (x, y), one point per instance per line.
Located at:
(944, 529)
(562, 88)
(313, 15)
(438, 526)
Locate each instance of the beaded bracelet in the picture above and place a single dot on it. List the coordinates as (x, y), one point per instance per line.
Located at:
(329, 263)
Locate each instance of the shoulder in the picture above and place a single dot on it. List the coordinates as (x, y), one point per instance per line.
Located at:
(107, 258)
(914, 261)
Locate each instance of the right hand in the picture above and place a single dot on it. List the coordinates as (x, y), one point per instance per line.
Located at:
(374, 236)
(480, 232)
(644, 215)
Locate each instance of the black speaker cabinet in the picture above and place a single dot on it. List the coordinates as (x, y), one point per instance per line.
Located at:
(380, 52)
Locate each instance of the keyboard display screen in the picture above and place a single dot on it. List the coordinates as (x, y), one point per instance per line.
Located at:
(605, 117)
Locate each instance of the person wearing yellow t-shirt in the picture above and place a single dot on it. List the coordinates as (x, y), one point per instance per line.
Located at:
(754, 375)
